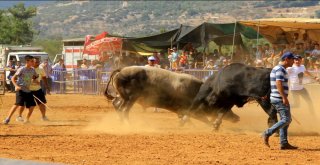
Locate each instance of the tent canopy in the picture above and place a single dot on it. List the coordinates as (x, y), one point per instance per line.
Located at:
(272, 28)
(221, 34)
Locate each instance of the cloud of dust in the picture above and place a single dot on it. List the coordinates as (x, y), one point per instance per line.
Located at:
(253, 120)
(143, 122)
(305, 121)
(306, 116)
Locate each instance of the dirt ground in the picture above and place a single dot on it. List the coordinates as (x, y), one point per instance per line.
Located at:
(85, 130)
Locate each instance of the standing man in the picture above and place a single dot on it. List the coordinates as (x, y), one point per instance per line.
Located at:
(174, 58)
(296, 74)
(48, 70)
(11, 68)
(279, 99)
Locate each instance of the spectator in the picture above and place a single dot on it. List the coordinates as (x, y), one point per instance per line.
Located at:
(174, 58)
(59, 76)
(47, 67)
(94, 64)
(152, 62)
(268, 53)
(183, 59)
(11, 67)
(156, 57)
(190, 60)
(84, 64)
(274, 59)
(259, 53)
(314, 57)
(216, 54)
(209, 65)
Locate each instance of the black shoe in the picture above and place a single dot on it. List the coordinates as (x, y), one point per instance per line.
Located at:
(265, 139)
(288, 146)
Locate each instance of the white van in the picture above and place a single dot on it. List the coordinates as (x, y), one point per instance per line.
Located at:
(19, 56)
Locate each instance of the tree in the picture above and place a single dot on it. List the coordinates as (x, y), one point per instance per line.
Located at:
(15, 25)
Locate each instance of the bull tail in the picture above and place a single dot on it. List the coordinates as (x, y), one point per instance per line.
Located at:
(106, 93)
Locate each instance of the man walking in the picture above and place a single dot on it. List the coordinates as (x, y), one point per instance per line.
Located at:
(279, 99)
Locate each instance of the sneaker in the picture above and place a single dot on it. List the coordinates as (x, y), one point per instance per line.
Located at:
(6, 121)
(44, 118)
(19, 119)
(288, 146)
(265, 139)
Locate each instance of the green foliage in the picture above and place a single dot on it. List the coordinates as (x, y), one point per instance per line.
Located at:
(15, 25)
(51, 46)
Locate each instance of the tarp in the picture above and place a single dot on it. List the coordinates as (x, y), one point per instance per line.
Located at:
(221, 34)
(272, 28)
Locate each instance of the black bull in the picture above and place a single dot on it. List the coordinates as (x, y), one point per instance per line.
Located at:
(155, 87)
(235, 84)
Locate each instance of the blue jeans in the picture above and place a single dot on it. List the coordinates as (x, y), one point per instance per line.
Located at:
(283, 124)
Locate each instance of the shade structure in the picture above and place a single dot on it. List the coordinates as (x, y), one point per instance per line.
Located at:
(271, 28)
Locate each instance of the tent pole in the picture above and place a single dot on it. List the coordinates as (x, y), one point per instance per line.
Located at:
(257, 39)
(234, 36)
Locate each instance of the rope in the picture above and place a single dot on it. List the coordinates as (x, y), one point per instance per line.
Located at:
(41, 102)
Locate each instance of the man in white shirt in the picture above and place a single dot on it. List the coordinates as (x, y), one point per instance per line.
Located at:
(48, 70)
(296, 73)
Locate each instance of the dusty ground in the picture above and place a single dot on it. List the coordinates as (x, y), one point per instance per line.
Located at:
(85, 130)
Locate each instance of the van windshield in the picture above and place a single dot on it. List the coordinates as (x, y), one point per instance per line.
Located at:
(42, 57)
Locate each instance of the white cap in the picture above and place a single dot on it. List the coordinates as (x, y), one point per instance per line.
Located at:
(151, 58)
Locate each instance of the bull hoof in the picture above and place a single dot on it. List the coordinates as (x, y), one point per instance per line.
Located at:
(215, 127)
(235, 119)
(184, 120)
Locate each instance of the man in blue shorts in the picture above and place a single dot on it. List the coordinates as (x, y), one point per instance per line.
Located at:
(22, 80)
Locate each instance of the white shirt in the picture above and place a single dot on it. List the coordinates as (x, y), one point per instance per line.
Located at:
(294, 82)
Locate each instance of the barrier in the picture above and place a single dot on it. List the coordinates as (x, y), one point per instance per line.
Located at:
(2, 82)
(200, 73)
(82, 81)
(94, 82)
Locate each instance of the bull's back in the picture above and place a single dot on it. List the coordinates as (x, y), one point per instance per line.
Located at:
(241, 79)
(159, 87)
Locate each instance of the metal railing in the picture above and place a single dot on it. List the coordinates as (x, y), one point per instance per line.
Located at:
(83, 81)
(94, 82)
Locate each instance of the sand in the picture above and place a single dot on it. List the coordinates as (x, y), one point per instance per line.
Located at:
(85, 129)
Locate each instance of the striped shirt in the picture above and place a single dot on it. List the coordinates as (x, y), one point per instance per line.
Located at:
(278, 73)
